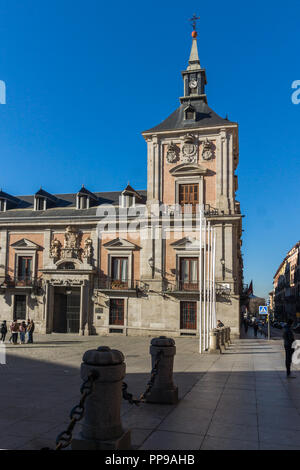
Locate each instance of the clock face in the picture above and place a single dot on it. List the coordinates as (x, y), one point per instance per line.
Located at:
(193, 84)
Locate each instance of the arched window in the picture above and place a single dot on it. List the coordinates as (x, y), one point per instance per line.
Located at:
(67, 265)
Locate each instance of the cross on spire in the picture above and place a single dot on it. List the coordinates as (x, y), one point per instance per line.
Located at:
(194, 21)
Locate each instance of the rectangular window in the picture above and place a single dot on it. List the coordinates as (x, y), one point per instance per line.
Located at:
(83, 202)
(20, 307)
(116, 312)
(24, 273)
(188, 315)
(188, 274)
(2, 205)
(40, 203)
(119, 272)
(189, 197)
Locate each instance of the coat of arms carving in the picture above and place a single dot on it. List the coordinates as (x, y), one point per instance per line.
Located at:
(207, 151)
(189, 150)
(172, 153)
(71, 247)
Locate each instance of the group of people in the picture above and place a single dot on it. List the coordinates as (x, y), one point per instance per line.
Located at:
(17, 329)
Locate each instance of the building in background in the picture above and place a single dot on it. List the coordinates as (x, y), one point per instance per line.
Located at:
(59, 268)
(286, 286)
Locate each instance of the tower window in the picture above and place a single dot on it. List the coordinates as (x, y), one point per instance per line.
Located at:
(2, 205)
(40, 204)
(190, 113)
(82, 203)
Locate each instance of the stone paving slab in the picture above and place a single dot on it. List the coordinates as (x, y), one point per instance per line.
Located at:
(237, 400)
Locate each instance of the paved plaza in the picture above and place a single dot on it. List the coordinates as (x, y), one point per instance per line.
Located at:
(238, 400)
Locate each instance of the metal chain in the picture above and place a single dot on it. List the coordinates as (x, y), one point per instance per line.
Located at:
(129, 397)
(64, 439)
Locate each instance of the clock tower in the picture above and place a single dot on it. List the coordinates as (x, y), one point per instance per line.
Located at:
(194, 77)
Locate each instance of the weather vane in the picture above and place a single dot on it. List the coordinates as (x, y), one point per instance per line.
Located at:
(194, 21)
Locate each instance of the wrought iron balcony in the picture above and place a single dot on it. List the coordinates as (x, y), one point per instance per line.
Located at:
(180, 286)
(21, 281)
(115, 284)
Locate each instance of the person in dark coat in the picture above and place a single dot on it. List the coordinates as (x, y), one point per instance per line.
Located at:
(3, 331)
(30, 330)
(255, 329)
(288, 338)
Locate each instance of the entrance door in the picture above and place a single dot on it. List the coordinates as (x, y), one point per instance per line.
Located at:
(73, 313)
(66, 315)
(60, 313)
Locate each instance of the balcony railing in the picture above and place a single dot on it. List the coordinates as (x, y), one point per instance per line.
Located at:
(116, 284)
(181, 286)
(21, 281)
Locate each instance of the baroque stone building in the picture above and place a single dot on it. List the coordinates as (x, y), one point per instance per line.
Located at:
(105, 263)
(286, 286)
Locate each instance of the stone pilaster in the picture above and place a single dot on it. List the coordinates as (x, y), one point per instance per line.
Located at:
(3, 252)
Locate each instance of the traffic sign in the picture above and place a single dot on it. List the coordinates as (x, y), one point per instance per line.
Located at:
(263, 309)
(268, 302)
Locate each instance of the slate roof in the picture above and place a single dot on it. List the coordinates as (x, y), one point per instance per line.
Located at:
(205, 117)
(65, 206)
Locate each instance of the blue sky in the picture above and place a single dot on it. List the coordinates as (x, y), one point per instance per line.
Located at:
(85, 78)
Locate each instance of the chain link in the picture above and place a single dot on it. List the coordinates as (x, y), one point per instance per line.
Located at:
(129, 397)
(64, 439)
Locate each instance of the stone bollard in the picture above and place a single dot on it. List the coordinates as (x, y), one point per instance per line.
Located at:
(101, 428)
(163, 389)
(222, 340)
(214, 342)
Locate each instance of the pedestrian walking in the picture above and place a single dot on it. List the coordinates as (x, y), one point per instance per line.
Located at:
(30, 330)
(246, 325)
(255, 329)
(288, 338)
(22, 330)
(3, 331)
(11, 332)
(15, 331)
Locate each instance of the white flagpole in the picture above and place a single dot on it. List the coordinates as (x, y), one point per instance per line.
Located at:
(200, 283)
(214, 281)
(208, 283)
(211, 278)
(204, 287)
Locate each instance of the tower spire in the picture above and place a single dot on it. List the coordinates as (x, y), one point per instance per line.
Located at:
(194, 77)
(194, 62)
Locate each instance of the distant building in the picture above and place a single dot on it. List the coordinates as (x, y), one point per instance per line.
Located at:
(286, 286)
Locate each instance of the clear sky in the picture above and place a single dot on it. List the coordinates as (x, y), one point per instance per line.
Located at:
(84, 78)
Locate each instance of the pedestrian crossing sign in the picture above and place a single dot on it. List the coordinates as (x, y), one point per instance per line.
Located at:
(263, 309)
